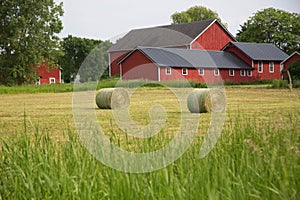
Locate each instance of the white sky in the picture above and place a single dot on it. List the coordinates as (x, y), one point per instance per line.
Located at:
(106, 19)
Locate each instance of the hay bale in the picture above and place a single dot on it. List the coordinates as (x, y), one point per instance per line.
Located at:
(112, 98)
(206, 100)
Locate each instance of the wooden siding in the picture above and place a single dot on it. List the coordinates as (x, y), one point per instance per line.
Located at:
(115, 58)
(240, 54)
(214, 38)
(266, 74)
(45, 73)
(208, 77)
(138, 66)
(290, 60)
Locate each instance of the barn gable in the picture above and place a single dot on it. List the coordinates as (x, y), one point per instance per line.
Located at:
(175, 35)
(292, 58)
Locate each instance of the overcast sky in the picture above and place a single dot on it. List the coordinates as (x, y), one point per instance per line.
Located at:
(106, 19)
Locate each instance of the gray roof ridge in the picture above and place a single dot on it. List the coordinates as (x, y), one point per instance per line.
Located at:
(171, 25)
(179, 49)
(255, 43)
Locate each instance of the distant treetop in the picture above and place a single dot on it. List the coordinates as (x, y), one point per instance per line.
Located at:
(196, 13)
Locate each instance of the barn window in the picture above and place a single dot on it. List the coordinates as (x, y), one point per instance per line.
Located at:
(168, 71)
(184, 71)
(52, 80)
(231, 72)
(260, 67)
(216, 72)
(249, 73)
(243, 72)
(201, 71)
(271, 67)
(38, 81)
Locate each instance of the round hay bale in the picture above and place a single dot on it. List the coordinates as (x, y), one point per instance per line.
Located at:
(206, 100)
(112, 98)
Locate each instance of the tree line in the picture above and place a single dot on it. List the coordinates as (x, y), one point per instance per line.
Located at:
(29, 35)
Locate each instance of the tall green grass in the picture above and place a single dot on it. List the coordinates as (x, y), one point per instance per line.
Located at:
(105, 83)
(254, 159)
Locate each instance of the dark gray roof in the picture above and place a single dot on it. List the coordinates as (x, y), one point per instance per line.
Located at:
(192, 58)
(261, 51)
(174, 35)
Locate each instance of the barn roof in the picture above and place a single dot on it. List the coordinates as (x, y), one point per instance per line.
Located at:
(260, 51)
(174, 35)
(191, 58)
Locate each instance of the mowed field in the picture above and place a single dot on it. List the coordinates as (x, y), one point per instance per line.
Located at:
(257, 156)
(53, 111)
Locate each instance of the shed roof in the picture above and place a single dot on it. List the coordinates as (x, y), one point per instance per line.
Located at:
(191, 58)
(173, 35)
(260, 51)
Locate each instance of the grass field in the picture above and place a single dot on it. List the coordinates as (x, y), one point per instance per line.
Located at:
(257, 156)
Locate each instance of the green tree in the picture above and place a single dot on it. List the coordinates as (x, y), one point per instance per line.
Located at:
(196, 13)
(294, 69)
(76, 50)
(28, 34)
(272, 26)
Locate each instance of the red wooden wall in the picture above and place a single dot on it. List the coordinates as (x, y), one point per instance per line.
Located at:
(214, 38)
(240, 54)
(46, 73)
(115, 58)
(290, 60)
(266, 74)
(208, 77)
(295, 57)
(138, 66)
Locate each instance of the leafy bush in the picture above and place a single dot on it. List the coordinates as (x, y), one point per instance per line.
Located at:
(294, 69)
(280, 83)
(296, 84)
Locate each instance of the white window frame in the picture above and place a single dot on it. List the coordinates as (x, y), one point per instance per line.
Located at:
(201, 71)
(243, 72)
(216, 72)
(231, 70)
(52, 80)
(38, 81)
(249, 73)
(168, 72)
(271, 65)
(260, 65)
(186, 71)
(281, 67)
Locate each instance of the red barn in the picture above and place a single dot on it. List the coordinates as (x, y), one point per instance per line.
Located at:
(47, 74)
(206, 34)
(163, 64)
(264, 58)
(287, 62)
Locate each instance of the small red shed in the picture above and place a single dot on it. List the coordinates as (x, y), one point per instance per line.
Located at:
(287, 62)
(47, 74)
